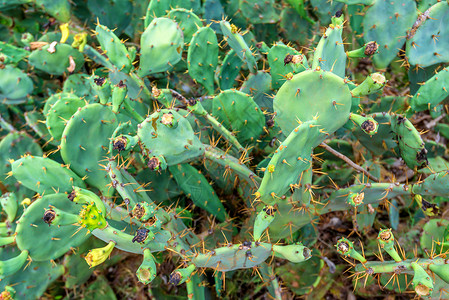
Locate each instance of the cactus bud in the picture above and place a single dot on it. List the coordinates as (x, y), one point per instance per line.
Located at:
(294, 253)
(372, 84)
(157, 163)
(143, 211)
(367, 124)
(386, 241)
(346, 247)
(142, 235)
(54, 216)
(421, 280)
(79, 195)
(12, 265)
(147, 270)
(92, 218)
(102, 88)
(181, 275)
(263, 220)
(120, 143)
(49, 216)
(118, 95)
(371, 48)
(99, 255)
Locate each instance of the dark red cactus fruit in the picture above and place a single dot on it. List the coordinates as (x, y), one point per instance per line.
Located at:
(338, 14)
(72, 195)
(270, 210)
(421, 156)
(401, 119)
(99, 81)
(141, 235)
(427, 205)
(49, 216)
(138, 211)
(120, 143)
(306, 253)
(121, 84)
(245, 245)
(154, 163)
(288, 59)
(175, 278)
(371, 48)
(368, 126)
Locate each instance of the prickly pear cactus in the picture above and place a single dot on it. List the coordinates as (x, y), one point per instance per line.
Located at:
(174, 149)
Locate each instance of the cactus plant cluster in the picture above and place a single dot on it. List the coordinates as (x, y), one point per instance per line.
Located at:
(203, 138)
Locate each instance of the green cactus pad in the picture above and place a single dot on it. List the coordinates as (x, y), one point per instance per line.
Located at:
(256, 11)
(175, 145)
(60, 9)
(428, 40)
(289, 161)
(431, 92)
(127, 186)
(158, 8)
(36, 121)
(114, 48)
(59, 114)
(187, 20)
(161, 46)
(330, 53)
(279, 69)
(45, 176)
(258, 86)
(303, 277)
(238, 112)
(230, 69)
(383, 141)
(202, 57)
(58, 62)
(296, 28)
(234, 257)
(238, 44)
(85, 156)
(31, 282)
(15, 85)
(12, 54)
(197, 188)
(435, 185)
(52, 100)
(46, 242)
(112, 13)
(433, 231)
(78, 84)
(325, 10)
(13, 146)
(410, 144)
(337, 200)
(387, 23)
(310, 94)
